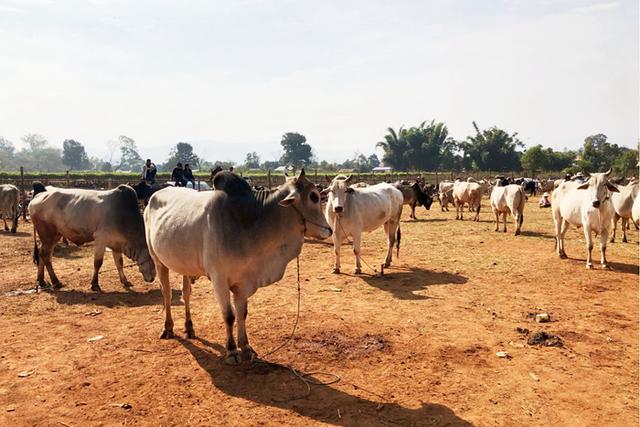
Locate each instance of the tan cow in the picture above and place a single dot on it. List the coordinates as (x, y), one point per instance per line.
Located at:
(239, 238)
(623, 204)
(467, 192)
(9, 201)
(110, 219)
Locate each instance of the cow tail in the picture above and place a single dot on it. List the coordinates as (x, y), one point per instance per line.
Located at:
(36, 254)
(398, 236)
(523, 200)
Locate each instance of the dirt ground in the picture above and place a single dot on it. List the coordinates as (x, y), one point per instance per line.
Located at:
(415, 347)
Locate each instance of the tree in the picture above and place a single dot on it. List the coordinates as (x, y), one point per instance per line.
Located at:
(296, 150)
(493, 149)
(74, 155)
(37, 156)
(627, 163)
(535, 159)
(598, 154)
(252, 161)
(373, 161)
(7, 153)
(394, 147)
(129, 158)
(183, 153)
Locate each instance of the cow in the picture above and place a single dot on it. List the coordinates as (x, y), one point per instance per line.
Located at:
(109, 218)
(413, 195)
(529, 186)
(506, 200)
(144, 191)
(635, 211)
(547, 185)
(353, 210)
(467, 192)
(9, 204)
(588, 205)
(239, 238)
(622, 204)
(445, 194)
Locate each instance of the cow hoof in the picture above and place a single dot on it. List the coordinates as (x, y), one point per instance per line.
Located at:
(248, 355)
(589, 266)
(624, 240)
(166, 334)
(188, 329)
(95, 287)
(504, 231)
(357, 271)
(386, 264)
(335, 270)
(57, 285)
(232, 358)
(563, 255)
(43, 285)
(13, 230)
(127, 284)
(612, 240)
(606, 267)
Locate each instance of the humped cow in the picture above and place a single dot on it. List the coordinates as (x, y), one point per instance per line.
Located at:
(239, 238)
(623, 204)
(588, 205)
(9, 201)
(445, 194)
(413, 196)
(467, 192)
(353, 210)
(505, 200)
(111, 219)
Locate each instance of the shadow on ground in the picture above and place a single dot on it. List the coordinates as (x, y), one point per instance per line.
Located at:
(114, 299)
(272, 385)
(403, 282)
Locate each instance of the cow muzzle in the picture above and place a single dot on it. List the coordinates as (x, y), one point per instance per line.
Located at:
(338, 209)
(596, 203)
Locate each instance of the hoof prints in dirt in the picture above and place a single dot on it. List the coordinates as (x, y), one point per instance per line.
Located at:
(545, 339)
(344, 346)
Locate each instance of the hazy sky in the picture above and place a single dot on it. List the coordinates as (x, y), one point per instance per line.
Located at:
(233, 76)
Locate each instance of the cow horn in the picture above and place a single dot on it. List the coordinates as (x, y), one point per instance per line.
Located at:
(302, 174)
(607, 173)
(586, 174)
(348, 180)
(327, 178)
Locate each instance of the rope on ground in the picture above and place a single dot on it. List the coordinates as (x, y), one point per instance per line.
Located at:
(306, 377)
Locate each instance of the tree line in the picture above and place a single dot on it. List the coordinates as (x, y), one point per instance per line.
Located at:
(425, 147)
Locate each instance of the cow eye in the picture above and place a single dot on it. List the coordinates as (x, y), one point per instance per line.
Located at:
(314, 197)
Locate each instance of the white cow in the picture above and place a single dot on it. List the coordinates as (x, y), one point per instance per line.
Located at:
(239, 238)
(467, 192)
(635, 211)
(587, 205)
(350, 211)
(445, 194)
(509, 199)
(9, 201)
(622, 204)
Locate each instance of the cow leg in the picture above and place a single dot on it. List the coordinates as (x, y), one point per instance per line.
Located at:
(222, 295)
(356, 251)
(46, 257)
(117, 259)
(390, 228)
(589, 238)
(240, 303)
(625, 226)
(4, 219)
(519, 216)
(337, 242)
(413, 211)
(561, 229)
(98, 258)
(504, 222)
(165, 287)
(186, 297)
(497, 214)
(14, 223)
(603, 249)
(615, 226)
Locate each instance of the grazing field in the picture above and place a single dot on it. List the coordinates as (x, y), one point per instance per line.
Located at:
(414, 347)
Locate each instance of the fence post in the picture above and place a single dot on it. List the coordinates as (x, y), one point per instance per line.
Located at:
(316, 177)
(269, 178)
(68, 180)
(109, 185)
(22, 177)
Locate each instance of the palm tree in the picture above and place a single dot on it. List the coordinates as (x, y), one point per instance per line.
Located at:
(394, 147)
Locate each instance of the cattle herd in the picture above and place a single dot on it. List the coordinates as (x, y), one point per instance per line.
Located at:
(242, 238)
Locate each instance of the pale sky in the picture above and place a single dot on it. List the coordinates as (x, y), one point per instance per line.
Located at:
(233, 76)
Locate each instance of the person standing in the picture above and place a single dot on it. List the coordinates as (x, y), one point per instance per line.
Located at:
(188, 175)
(177, 175)
(149, 172)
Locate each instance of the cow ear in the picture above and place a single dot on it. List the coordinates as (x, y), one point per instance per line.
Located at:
(612, 188)
(286, 174)
(350, 190)
(348, 180)
(325, 191)
(583, 186)
(288, 201)
(302, 174)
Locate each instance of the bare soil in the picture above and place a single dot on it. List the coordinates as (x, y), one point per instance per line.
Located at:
(414, 347)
